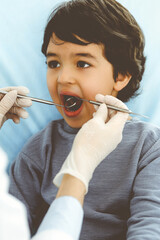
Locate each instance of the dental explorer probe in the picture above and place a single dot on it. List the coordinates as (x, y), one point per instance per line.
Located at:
(113, 107)
(90, 101)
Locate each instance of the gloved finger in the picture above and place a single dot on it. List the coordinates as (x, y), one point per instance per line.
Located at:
(13, 117)
(108, 99)
(94, 114)
(96, 107)
(16, 119)
(118, 120)
(22, 102)
(99, 97)
(20, 112)
(102, 113)
(117, 103)
(7, 102)
(20, 89)
(119, 117)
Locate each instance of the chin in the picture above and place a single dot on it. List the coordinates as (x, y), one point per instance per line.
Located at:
(75, 123)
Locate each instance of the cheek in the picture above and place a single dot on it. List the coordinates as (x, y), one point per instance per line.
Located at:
(101, 81)
(102, 87)
(51, 84)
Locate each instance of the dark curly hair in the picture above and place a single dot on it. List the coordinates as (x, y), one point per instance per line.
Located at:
(106, 22)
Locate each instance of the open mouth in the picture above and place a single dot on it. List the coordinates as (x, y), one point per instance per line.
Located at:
(71, 103)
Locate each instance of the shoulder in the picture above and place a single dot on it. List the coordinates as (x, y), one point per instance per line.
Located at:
(144, 137)
(142, 129)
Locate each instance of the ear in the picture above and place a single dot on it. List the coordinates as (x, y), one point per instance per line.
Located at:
(121, 82)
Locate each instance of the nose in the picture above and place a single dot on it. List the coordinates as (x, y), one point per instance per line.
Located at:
(66, 76)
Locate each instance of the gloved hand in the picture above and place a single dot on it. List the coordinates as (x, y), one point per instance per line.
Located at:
(94, 141)
(11, 107)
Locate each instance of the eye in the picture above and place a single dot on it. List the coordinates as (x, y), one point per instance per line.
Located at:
(53, 64)
(83, 64)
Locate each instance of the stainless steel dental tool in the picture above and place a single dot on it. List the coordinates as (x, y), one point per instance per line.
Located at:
(114, 108)
(35, 99)
(90, 101)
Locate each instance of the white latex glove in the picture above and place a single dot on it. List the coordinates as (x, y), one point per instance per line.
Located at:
(94, 141)
(11, 107)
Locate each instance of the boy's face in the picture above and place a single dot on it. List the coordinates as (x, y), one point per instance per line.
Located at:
(77, 70)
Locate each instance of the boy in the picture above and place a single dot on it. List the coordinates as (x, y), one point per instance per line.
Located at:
(64, 217)
(94, 47)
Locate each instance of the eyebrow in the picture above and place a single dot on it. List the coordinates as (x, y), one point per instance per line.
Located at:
(49, 54)
(88, 55)
(85, 55)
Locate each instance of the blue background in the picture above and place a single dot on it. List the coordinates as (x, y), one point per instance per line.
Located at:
(22, 26)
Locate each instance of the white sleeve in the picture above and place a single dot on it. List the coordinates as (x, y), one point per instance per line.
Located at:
(52, 235)
(62, 221)
(3, 176)
(65, 216)
(13, 217)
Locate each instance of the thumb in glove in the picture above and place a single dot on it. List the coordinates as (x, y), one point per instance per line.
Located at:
(11, 107)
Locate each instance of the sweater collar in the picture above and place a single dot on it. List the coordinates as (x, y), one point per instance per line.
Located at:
(69, 129)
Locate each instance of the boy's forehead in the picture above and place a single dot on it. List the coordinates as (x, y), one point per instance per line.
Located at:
(90, 50)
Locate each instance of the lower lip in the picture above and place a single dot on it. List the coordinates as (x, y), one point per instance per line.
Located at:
(73, 114)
